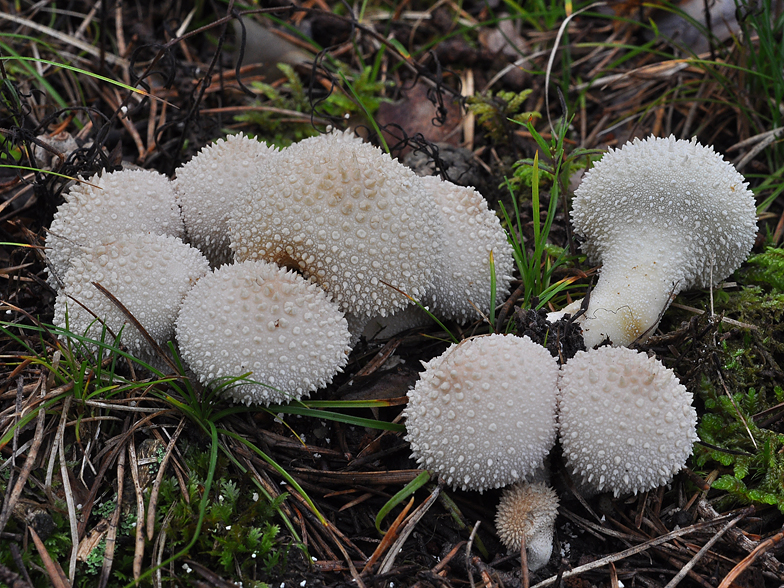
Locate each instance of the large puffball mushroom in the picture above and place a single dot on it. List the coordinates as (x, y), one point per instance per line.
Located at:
(255, 317)
(626, 423)
(662, 216)
(461, 288)
(528, 512)
(207, 188)
(148, 274)
(128, 201)
(345, 215)
(482, 414)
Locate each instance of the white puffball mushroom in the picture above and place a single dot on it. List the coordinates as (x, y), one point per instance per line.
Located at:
(461, 287)
(148, 274)
(256, 317)
(528, 511)
(128, 201)
(345, 215)
(482, 414)
(207, 188)
(626, 423)
(661, 215)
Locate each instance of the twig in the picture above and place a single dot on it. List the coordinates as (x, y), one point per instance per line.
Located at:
(138, 553)
(685, 570)
(411, 523)
(13, 496)
(159, 478)
(638, 548)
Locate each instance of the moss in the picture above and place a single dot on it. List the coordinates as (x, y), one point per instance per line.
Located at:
(739, 385)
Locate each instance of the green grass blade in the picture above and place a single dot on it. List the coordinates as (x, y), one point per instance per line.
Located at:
(407, 491)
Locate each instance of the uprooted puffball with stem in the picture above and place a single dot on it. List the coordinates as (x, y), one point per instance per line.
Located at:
(661, 215)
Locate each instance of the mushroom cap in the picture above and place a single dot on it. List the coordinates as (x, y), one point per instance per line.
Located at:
(128, 201)
(680, 193)
(256, 317)
(148, 274)
(528, 511)
(207, 188)
(626, 423)
(482, 414)
(461, 287)
(347, 216)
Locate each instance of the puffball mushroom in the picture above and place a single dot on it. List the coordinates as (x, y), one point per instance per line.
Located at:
(482, 414)
(626, 423)
(347, 216)
(528, 511)
(148, 274)
(128, 201)
(461, 288)
(256, 317)
(662, 216)
(207, 188)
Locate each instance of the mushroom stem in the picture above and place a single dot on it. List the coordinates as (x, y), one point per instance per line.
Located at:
(634, 290)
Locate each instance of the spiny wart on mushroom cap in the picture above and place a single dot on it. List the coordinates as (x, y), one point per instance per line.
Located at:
(461, 287)
(662, 216)
(626, 423)
(113, 203)
(528, 511)
(347, 216)
(482, 414)
(256, 317)
(148, 274)
(207, 188)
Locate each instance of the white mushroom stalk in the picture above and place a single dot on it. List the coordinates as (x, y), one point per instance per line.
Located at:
(482, 414)
(256, 318)
(662, 216)
(626, 423)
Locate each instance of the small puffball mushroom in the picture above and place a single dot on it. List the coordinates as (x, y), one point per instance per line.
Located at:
(256, 317)
(128, 201)
(347, 216)
(482, 414)
(207, 188)
(662, 216)
(528, 511)
(461, 288)
(148, 274)
(626, 423)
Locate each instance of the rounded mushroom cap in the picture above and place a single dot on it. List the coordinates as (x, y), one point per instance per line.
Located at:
(128, 201)
(626, 423)
(482, 414)
(683, 191)
(528, 511)
(472, 231)
(207, 187)
(256, 317)
(347, 216)
(148, 274)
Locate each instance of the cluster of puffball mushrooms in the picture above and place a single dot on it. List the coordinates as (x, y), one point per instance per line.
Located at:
(271, 264)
